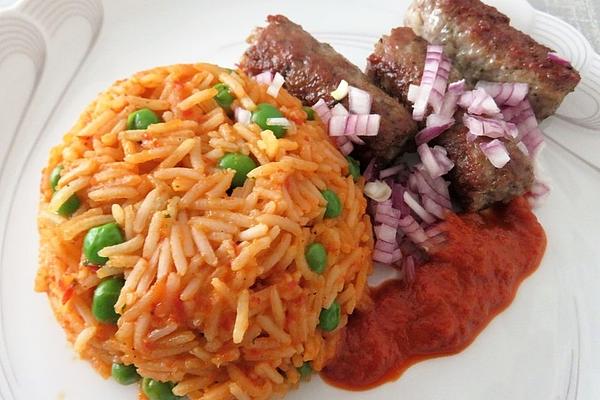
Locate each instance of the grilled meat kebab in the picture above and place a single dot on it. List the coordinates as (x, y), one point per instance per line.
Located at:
(485, 47)
(396, 63)
(312, 70)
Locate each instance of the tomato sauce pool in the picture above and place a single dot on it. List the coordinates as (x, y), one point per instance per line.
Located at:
(469, 279)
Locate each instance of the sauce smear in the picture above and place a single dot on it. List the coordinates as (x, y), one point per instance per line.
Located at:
(469, 279)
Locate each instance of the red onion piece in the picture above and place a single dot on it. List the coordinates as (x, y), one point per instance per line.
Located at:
(386, 233)
(507, 93)
(478, 102)
(552, 56)
(429, 161)
(265, 77)
(418, 208)
(385, 173)
(362, 121)
(382, 256)
(275, 86)
(359, 101)
(429, 133)
(496, 152)
(490, 127)
(337, 125)
(322, 110)
(413, 92)
(432, 207)
(412, 229)
(351, 125)
(373, 125)
(385, 247)
(339, 109)
(433, 82)
(438, 120)
(424, 188)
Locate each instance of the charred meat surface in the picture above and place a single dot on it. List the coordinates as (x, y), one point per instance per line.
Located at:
(485, 47)
(475, 182)
(312, 70)
(396, 63)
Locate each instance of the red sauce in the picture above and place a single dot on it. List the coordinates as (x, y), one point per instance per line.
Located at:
(470, 278)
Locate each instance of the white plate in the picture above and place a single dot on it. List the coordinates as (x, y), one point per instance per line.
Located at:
(55, 56)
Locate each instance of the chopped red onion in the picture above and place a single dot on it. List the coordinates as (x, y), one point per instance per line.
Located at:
(496, 152)
(370, 172)
(429, 161)
(420, 184)
(457, 87)
(356, 140)
(339, 109)
(386, 233)
(385, 173)
(417, 208)
(337, 125)
(438, 120)
(384, 246)
(413, 92)
(507, 93)
(433, 82)
(432, 207)
(490, 127)
(242, 115)
(552, 56)
(429, 133)
(322, 110)
(362, 121)
(346, 148)
(382, 256)
(351, 124)
(373, 125)
(275, 86)
(523, 117)
(265, 77)
(359, 101)
(412, 229)
(478, 102)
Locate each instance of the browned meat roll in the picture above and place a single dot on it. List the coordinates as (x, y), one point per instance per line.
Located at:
(485, 47)
(396, 63)
(312, 70)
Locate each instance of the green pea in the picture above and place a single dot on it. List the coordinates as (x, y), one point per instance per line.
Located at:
(310, 113)
(265, 111)
(329, 318)
(142, 119)
(334, 205)
(70, 206)
(156, 390)
(223, 97)
(240, 163)
(55, 177)
(353, 168)
(105, 297)
(316, 257)
(124, 374)
(98, 238)
(305, 370)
